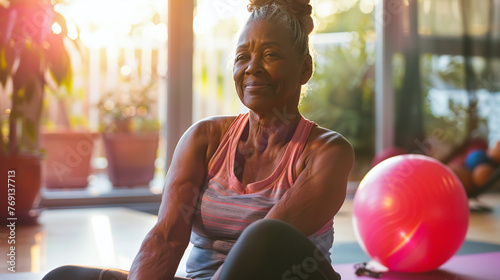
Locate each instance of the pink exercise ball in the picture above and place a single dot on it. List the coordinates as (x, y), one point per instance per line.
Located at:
(410, 213)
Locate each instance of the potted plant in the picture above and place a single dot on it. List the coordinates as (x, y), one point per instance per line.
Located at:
(130, 132)
(31, 55)
(68, 143)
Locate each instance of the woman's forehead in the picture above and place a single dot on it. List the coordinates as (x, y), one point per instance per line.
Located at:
(263, 32)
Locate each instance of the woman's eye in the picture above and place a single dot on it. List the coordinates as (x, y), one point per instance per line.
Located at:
(239, 57)
(271, 54)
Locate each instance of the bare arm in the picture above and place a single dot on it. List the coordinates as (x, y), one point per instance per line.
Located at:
(164, 245)
(320, 189)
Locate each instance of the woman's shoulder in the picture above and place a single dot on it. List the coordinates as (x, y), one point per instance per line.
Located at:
(215, 126)
(323, 141)
(212, 130)
(325, 138)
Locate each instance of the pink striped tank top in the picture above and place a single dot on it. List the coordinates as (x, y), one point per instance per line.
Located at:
(226, 206)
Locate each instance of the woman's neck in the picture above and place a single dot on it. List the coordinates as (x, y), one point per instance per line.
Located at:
(269, 130)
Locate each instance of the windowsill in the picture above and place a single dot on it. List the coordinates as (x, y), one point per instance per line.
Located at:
(100, 192)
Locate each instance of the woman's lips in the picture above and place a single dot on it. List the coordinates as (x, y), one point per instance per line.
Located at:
(256, 85)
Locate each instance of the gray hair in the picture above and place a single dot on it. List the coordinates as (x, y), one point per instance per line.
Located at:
(297, 33)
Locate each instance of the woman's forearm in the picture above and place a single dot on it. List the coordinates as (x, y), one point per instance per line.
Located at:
(164, 246)
(157, 258)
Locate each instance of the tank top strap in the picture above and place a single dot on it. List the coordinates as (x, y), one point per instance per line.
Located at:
(220, 154)
(303, 130)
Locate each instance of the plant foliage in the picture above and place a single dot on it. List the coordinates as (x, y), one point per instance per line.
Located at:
(31, 56)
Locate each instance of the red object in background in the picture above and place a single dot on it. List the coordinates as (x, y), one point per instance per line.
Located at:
(476, 144)
(131, 158)
(24, 172)
(457, 160)
(464, 175)
(473, 144)
(388, 153)
(410, 213)
(68, 161)
(494, 153)
(482, 173)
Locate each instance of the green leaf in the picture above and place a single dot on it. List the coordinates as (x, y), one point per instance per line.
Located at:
(58, 61)
(10, 56)
(29, 90)
(4, 72)
(68, 81)
(29, 130)
(29, 67)
(3, 60)
(6, 60)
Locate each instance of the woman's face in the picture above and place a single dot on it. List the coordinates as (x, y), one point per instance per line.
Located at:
(268, 71)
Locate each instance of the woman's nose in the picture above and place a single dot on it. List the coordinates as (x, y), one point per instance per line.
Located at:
(254, 66)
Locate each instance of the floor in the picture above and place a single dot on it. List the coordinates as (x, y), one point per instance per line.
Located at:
(110, 237)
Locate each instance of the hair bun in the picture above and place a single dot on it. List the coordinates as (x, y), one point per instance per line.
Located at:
(301, 9)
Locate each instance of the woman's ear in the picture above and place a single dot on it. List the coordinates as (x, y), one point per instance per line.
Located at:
(307, 69)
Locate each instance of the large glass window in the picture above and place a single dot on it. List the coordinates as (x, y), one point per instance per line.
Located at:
(341, 92)
(215, 26)
(446, 65)
(118, 95)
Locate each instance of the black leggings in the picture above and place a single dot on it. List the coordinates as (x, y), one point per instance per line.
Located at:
(267, 250)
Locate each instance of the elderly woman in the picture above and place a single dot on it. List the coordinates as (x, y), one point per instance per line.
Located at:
(256, 194)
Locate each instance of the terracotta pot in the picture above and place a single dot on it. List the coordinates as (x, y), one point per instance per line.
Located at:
(25, 174)
(67, 164)
(131, 158)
